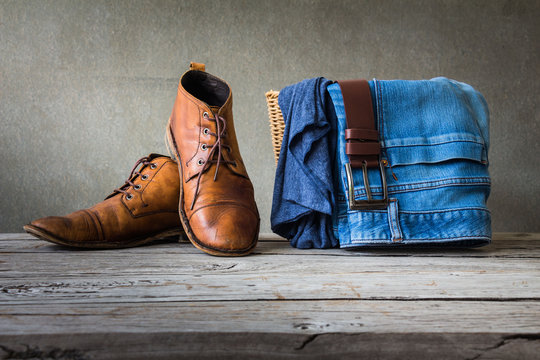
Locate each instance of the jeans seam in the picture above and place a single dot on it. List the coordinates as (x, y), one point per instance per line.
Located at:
(396, 231)
(436, 239)
(435, 144)
(435, 184)
(420, 212)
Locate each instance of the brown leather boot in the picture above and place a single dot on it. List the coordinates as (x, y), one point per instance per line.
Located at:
(144, 209)
(217, 205)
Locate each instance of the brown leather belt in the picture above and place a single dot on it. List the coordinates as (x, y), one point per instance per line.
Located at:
(362, 141)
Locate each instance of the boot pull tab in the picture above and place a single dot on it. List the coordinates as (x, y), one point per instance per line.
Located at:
(196, 66)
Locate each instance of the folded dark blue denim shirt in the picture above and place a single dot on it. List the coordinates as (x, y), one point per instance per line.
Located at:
(304, 199)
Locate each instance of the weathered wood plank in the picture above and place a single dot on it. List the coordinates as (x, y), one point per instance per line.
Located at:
(233, 346)
(274, 304)
(198, 278)
(526, 245)
(299, 317)
(117, 262)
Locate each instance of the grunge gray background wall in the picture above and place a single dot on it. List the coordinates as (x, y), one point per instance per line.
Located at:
(86, 87)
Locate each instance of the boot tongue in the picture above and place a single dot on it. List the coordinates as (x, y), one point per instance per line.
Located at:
(214, 109)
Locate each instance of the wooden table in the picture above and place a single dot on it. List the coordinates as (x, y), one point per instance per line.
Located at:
(169, 300)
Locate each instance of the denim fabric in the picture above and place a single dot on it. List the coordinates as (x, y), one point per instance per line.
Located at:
(303, 199)
(435, 136)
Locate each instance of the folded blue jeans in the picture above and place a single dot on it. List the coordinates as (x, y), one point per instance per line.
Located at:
(434, 137)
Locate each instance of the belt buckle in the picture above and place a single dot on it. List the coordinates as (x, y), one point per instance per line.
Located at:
(370, 203)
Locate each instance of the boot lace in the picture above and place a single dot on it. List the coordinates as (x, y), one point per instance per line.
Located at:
(145, 161)
(221, 126)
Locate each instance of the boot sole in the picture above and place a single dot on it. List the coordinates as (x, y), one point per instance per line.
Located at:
(44, 235)
(183, 218)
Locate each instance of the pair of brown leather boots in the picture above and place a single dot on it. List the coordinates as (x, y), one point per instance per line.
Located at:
(205, 191)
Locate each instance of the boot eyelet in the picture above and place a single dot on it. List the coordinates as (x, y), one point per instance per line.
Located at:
(153, 166)
(200, 162)
(205, 115)
(204, 147)
(129, 197)
(137, 187)
(206, 131)
(144, 177)
(235, 164)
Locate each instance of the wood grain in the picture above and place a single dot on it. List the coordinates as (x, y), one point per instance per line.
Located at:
(299, 317)
(169, 300)
(253, 345)
(282, 278)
